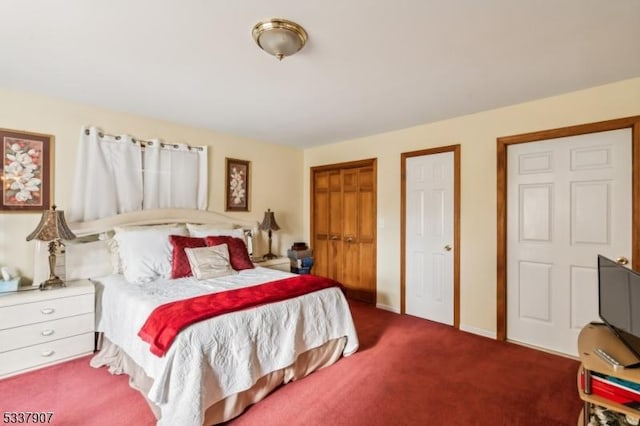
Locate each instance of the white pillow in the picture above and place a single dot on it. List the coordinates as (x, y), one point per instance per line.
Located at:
(87, 260)
(145, 253)
(114, 254)
(113, 243)
(203, 231)
(209, 262)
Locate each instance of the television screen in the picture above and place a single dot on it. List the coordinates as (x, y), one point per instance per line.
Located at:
(619, 301)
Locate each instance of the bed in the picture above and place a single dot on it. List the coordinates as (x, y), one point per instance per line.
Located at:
(215, 368)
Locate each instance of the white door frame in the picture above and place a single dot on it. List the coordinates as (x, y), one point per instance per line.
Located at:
(502, 144)
(456, 224)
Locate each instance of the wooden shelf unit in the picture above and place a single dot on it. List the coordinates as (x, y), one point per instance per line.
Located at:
(599, 336)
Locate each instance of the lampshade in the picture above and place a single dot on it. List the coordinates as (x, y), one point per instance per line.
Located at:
(269, 222)
(279, 37)
(52, 226)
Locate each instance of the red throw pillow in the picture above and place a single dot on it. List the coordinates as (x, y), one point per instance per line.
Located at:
(238, 254)
(180, 266)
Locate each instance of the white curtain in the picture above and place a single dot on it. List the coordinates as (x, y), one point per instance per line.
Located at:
(175, 176)
(115, 175)
(108, 176)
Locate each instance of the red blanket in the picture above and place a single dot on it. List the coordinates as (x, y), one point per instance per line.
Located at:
(166, 321)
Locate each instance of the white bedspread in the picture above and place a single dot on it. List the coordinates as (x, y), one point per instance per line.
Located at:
(213, 359)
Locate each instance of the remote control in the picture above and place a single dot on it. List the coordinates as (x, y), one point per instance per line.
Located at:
(608, 359)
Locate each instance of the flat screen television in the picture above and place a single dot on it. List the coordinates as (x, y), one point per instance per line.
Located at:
(619, 302)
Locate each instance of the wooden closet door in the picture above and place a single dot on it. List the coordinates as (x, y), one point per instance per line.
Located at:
(367, 222)
(350, 241)
(320, 223)
(344, 226)
(335, 247)
(358, 219)
(327, 224)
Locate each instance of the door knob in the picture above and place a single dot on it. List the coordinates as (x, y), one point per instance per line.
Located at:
(622, 260)
(447, 247)
(349, 239)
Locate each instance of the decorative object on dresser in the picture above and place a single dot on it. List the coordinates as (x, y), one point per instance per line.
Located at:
(237, 181)
(53, 228)
(9, 282)
(25, 171)
(41, 328)
(301, 258)
(269, 224)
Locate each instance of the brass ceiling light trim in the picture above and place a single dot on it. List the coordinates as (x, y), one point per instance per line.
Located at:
(279, 37)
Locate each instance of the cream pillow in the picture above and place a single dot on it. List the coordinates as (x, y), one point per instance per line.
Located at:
(209, 262)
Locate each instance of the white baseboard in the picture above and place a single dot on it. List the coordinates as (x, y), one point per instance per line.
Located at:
(387, 308)
(479, 331)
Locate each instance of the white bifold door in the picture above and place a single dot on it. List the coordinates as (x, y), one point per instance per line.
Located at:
(429, 237)
(568, 200)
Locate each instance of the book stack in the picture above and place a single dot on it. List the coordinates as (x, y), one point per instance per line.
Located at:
(301, 258)
(614, 389)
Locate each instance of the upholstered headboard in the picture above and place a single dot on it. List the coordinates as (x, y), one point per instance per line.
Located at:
(95, 229)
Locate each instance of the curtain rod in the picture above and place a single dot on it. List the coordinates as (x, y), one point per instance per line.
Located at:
(143, 143)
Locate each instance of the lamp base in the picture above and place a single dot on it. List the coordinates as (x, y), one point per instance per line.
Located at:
(269, 256)
(52, 283)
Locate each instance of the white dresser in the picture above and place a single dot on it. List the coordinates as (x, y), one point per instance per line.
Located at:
(40, 328)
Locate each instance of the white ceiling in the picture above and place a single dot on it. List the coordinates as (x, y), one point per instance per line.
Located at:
(368, 67)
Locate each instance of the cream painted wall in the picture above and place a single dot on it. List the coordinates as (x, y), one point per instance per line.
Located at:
(477, 135)
(280, 175)
(276, 171)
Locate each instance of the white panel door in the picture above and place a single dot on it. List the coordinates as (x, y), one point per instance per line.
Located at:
(568, 200)
(429, 237)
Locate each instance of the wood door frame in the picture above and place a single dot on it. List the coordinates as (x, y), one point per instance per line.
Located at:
(456, 224)
(503, 142)
(368, 162)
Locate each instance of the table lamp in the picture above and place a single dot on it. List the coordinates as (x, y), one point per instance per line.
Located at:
(53, 228)
(269, 224)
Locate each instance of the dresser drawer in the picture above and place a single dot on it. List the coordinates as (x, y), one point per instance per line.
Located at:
(46, 310)
(45, 353)
(33, 334)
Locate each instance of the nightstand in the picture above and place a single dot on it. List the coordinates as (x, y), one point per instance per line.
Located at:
(40, 328)
(279, 263)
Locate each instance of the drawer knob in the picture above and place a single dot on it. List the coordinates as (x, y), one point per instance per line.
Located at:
(47, 332)
(47, 311)
(48, 353)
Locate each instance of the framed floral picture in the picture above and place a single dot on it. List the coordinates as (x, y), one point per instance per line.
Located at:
(27, 160)
(237, 181)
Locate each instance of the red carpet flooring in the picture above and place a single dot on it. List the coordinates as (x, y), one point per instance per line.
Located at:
(408, 371)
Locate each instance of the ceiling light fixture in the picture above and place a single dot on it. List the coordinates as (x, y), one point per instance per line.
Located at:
(279, 37)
